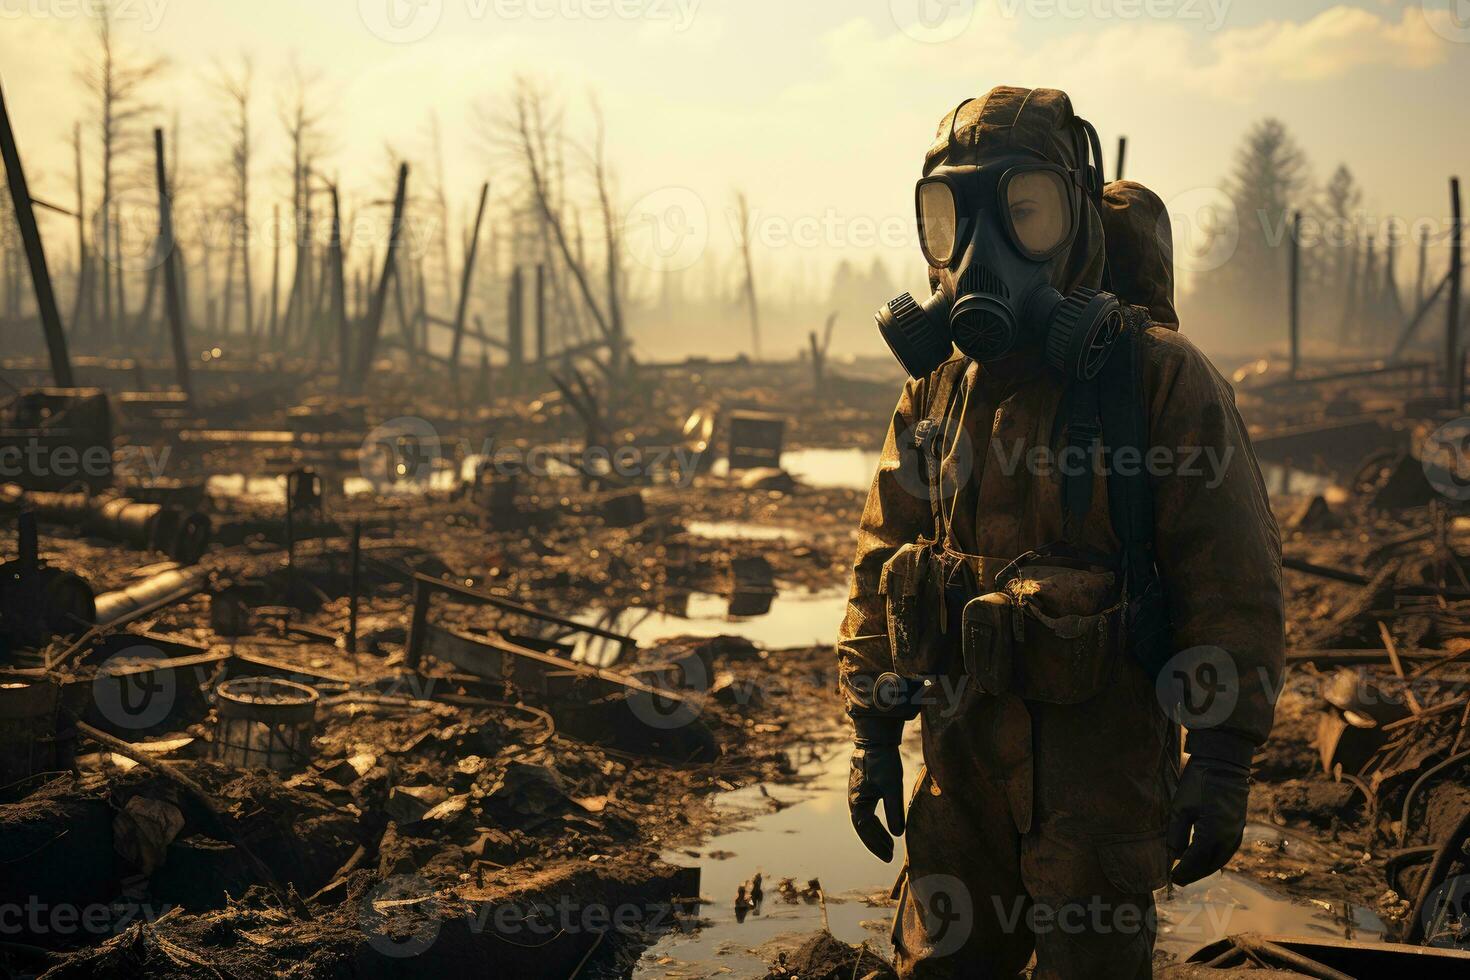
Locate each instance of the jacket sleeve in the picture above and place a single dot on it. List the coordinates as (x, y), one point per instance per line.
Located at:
(1218, 549)
(896, 513)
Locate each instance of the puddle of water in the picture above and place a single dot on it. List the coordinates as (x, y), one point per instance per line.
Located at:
(238, 486)
(1280, 480)
(1228, 903)
(440, 478)
(272, 489)
(854, 468)
(742, 531)
(812, 838)
(794, 619)
(851, 469)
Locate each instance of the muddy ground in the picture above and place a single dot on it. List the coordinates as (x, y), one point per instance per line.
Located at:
(449, 821)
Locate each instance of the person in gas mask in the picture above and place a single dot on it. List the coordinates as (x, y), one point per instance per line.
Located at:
(1067, 552)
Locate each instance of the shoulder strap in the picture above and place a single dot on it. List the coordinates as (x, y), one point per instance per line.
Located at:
(1124, 412)
(1083, 428)
(929, 434)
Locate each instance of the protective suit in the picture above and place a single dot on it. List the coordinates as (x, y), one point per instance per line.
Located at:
(1051, 805)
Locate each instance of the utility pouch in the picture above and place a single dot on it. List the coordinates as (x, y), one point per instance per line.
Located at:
(912, 587)
(1067, 624)
(986, 643)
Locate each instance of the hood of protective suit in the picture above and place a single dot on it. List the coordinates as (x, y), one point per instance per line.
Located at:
(1039, 122)
(1140, 248)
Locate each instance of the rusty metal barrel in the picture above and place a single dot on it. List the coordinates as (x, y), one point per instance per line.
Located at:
(264, 723)
(28, 728)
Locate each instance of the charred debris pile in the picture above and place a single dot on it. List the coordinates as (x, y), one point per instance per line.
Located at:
(1368, 771)
(340, 676)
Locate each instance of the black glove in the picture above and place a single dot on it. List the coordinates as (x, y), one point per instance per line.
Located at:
(1211, 799)
(877, 774)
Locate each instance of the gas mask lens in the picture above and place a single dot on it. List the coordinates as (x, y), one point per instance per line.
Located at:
(1039, 211)
(937, 213)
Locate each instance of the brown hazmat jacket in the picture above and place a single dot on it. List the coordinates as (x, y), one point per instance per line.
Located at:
(1217, 546)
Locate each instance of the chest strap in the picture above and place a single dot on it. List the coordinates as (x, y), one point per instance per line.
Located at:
(929, 438)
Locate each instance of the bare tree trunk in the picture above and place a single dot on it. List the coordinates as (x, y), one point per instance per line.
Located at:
(742, 215)
(80, 310)
(611, 250)
(276, 275)
(339, 290)
(121, 329)
(380, 298)
(531, 133)
(227, 301)
(467, 280)
(173, 261)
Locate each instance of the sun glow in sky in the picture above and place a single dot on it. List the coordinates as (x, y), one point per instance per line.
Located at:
(819, 111)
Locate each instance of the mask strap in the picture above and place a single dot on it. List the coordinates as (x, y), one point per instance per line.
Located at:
(1091, 145)
(1095, 145)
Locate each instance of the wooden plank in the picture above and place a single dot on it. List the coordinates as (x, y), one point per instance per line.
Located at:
(497, 658)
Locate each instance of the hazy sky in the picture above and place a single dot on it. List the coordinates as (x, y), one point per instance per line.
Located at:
(821, 111)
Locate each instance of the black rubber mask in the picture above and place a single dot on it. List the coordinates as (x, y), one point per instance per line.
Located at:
(998, 227)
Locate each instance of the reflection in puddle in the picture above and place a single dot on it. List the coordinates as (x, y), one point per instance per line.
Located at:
(810, 836)
(804, 832)
(850, 469)
(743, 531)
(1229, 903)
(272, 489)
(793, 619)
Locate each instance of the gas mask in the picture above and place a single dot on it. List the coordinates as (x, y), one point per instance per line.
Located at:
(996, 227)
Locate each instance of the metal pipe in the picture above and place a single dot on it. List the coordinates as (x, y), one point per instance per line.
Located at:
(151, 593)
(149, 526)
